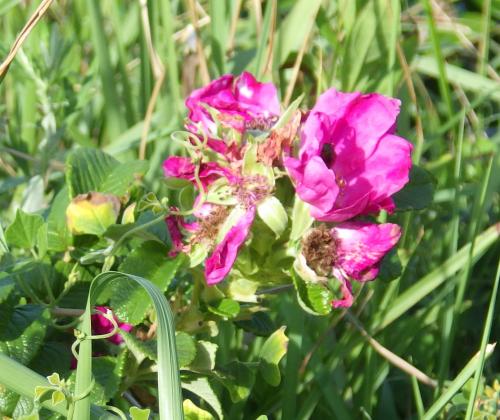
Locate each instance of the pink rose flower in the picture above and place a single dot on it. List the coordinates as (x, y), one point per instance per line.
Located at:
(349, 251)
(219, 264)
(101, 325)
(350, 162)
(239, 101)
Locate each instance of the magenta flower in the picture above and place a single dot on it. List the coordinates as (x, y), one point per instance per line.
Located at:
(350, 162)
(240, 101)
(349, 251)
(101, 325)
(219, 264)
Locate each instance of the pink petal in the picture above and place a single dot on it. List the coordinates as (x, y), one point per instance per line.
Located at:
(175, 234)
(218, 265)
(347, 297)
(315, 183)
(182, 167)
(237, 101)
(259, 99)
(362, 245)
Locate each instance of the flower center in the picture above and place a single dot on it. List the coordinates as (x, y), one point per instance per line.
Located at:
(252, 189)
(319, 249)
(261, 123)
(209, 225)
(328, 154)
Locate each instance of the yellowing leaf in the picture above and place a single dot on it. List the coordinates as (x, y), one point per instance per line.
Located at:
(193, 412)
(58, 397)
(92, 213)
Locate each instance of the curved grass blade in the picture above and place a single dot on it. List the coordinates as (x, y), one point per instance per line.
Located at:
(169, 384)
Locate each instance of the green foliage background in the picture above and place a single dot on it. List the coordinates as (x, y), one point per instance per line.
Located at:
(85, 77)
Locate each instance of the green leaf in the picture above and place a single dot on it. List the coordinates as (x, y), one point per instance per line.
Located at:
(271, 353)
(259, 324)
(58, 397)
(275, 346)
(122, 177)
(418, 193)
(87, 169)
(238, 378)
(314, 298)
(186, 348)
(4, 249)
(128, 300)
(139, 414)
(205, 356)
(226, 308)
(296, 27)
(20, 340)
(58, 236)
(193, 412)
(301, 219)
(140, 349)
(202, 388)
(141, 229)
(24, 230)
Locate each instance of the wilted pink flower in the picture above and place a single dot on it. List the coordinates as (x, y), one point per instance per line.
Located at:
(350, 162)
(349, 251)
(101, 325)
(219, 264)
(184, 168)
(240, 101)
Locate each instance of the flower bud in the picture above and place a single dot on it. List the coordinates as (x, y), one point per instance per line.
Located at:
(272, 212)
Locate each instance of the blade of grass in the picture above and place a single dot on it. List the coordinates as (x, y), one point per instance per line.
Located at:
(414, 294)
(169, 385)
(466, 79)
(296, 27)
(263, 41)
(448, 310)
(295, 321)
(419, 405)
(114, 117)
(488, 324)
(218, 27)
(444, 87)
(457, 383)
(484, 43)
(171, 56)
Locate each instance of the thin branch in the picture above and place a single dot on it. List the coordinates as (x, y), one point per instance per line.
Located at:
(33, 20)
(295, 73)
(205, 76)
(149, 115)
(391, 357)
